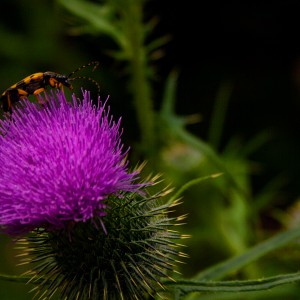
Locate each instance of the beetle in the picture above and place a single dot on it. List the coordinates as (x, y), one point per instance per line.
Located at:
(36, 83)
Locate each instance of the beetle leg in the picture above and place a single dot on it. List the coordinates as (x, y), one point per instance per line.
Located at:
(54, 83)
(38, 98)
(37, 91)
(6, 103)
(12, 95)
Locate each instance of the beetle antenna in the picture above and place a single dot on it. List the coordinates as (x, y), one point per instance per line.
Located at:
(92, 63)
(90, 79)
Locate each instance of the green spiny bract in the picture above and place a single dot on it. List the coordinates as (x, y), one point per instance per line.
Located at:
(128, 260)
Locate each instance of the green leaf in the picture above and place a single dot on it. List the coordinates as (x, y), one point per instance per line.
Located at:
(236, 263)
(176, 125)
(101, 18)
(14, 278)
(191, 183)
(189, 286)
(219, 113)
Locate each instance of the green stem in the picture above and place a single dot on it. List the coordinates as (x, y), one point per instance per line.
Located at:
(141, 90)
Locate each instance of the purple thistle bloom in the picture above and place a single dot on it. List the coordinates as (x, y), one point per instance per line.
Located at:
(59, 164)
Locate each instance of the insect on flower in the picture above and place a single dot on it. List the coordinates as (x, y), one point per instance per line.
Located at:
(36, 83)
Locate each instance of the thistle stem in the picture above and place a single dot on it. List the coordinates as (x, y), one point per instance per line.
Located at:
(134, 29)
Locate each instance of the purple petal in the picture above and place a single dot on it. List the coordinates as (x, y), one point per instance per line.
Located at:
(58, 164)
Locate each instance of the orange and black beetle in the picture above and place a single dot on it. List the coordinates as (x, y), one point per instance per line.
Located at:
(37, 83)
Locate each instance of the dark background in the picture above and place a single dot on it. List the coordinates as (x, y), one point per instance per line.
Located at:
(254, 45)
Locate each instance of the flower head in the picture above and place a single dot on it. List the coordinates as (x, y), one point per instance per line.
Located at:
(58, 164)
(134, 260)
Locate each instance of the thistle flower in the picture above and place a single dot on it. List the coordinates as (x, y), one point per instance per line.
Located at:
(59, 164)
(131, 261)
(64, 175)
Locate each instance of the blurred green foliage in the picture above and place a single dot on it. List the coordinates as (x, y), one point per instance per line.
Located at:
(226, 215)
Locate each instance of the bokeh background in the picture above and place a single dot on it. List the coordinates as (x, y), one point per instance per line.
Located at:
(238, 68)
